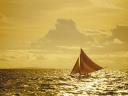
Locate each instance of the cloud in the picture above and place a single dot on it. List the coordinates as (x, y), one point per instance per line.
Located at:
(104, 4)
(64, 34)
(121, 32)
(118, 41)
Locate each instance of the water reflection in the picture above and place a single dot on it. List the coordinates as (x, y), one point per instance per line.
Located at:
(47, 82)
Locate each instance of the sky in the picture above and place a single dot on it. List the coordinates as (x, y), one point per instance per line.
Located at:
(25, 21)
(62, 26)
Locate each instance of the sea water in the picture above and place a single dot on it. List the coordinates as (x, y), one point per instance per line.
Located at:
(57, 82)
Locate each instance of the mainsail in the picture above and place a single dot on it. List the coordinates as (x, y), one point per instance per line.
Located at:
(84, 65)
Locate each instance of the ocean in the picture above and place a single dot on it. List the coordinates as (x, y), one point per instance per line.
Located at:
(58, 82)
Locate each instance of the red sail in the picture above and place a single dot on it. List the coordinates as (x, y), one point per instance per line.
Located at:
(76, 68)
(86, 64)
(84, 67)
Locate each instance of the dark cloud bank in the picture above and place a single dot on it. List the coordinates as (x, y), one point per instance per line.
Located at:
(121, 32)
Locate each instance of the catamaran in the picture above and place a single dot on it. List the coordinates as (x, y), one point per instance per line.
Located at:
(84, 65)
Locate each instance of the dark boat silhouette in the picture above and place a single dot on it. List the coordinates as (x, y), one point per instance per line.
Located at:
(84, 65)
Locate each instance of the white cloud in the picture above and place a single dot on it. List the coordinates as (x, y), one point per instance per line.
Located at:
(96, 32)
(117, 41)
(104, 4)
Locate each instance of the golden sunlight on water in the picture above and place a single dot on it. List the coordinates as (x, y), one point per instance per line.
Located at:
(57, 82)
(49, 33)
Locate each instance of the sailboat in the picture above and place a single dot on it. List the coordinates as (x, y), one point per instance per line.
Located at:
(84, 65)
